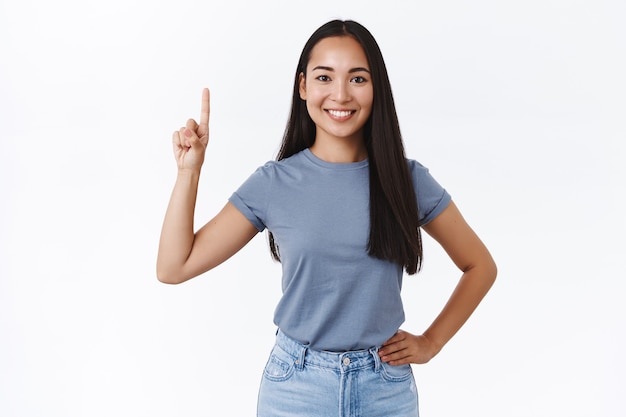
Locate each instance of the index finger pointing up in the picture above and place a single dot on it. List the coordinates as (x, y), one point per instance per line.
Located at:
(205, 110)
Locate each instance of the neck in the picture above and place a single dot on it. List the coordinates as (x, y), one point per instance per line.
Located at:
(339, 151)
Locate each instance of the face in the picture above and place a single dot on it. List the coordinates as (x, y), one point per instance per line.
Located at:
(338, 89)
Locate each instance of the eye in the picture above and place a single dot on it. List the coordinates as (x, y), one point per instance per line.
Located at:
(358, 79)
(323, 78)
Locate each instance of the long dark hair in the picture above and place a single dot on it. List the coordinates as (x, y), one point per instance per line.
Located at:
(394, 229)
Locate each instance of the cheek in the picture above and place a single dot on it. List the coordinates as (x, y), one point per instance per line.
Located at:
(313, 95)
(367, 103)
(313, 100)
(312, 108)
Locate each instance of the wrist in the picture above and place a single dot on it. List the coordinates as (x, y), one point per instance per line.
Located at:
(189, 173)
(435, 344)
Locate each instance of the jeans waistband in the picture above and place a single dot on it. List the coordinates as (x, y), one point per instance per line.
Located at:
(341, 361)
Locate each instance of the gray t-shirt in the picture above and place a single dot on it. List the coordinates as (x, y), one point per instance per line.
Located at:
(335, 296)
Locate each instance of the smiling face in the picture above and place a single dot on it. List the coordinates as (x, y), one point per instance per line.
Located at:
(338, 90)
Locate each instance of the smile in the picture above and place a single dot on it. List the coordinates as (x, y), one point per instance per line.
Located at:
(341, 114)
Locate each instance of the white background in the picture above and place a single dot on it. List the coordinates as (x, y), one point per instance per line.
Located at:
(518, 109)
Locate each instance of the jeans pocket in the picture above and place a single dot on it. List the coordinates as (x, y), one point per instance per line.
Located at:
(280, 366)
(398, 373)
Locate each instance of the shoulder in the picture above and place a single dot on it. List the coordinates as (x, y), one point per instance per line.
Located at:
(417, 170)
(283, 167)
(295, 160)
(413, 164)
(432, 198)
(421, 175)
(275, 171)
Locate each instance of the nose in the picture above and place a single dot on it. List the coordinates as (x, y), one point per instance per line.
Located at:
(341, 92)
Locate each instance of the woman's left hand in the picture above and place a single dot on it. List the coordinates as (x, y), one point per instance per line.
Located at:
(404, 348)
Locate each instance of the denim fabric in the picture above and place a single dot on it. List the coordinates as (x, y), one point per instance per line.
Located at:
(298, 381)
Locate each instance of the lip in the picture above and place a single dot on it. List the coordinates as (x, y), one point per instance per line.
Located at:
(340, 114)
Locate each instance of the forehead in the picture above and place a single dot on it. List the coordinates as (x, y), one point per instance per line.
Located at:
(338, 52)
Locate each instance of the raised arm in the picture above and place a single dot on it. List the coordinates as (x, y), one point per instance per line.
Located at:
(184, 254)
(479, 272)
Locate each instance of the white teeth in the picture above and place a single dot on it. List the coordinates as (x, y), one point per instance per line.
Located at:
(338, 113)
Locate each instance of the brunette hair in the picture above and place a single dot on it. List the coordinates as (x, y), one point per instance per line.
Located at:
(394, 228)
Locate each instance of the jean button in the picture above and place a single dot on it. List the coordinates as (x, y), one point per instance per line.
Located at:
(346, 361)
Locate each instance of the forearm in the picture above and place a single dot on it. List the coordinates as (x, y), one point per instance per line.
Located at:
(472, 287)
(471, 256)
(177, 234)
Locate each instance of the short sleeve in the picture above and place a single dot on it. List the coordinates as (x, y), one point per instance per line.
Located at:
(432, 198)
(252, 196)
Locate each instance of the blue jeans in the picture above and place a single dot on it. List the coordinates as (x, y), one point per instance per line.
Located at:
(298, 381)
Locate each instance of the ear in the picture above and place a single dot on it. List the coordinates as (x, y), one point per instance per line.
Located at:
(302, 83)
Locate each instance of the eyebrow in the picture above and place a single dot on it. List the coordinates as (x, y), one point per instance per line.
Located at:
(357, 69)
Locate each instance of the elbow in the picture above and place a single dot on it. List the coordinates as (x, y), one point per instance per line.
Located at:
(168, 277)
(485, 271)
(491, 271)
(169, 281)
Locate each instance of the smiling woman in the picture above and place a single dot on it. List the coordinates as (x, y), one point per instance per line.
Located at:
(338, 92)
(343, 207)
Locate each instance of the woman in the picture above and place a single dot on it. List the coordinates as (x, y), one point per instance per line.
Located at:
(343, 208)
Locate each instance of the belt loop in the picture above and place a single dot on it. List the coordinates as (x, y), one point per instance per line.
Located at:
(301, 355)
(374, 353)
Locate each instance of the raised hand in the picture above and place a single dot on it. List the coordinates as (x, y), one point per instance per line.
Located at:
(190, 141)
